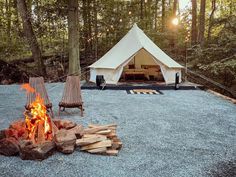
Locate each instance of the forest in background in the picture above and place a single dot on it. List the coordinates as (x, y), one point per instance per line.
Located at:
(204, 38)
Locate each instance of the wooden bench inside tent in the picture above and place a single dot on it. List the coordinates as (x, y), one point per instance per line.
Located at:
(72, 94)
(38, 84)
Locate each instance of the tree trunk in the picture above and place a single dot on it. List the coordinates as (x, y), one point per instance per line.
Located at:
(15, 20)
(89, 26)
(174, 27)
(194, 23)
(141, 9)
(95, 29)
(231, 8)
(211, 18)
(163, 15)
(85, 28)
(31, 38)
(155, 14)
(73, 34)
(8, 12)
(145, 14)
(175, 8)
(201, 38)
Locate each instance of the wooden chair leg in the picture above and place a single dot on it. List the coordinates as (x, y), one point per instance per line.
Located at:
(81, 110)
(52, 113)
(59, 111)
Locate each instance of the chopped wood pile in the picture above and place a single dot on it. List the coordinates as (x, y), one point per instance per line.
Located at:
(100, 139)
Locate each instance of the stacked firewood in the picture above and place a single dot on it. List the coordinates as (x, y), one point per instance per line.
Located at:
(100, 139)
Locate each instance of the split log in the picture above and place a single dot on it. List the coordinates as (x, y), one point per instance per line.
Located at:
(94, 130)
(54, 128)
(93, 135)
(96, 125)
(116, 145)
(104, 132)
(32, 138)
(87, 141)
(112, 152)
(98, 150)
(109, 126)
(111, 135)
(116, 139)
(105, 143)
(41, 136)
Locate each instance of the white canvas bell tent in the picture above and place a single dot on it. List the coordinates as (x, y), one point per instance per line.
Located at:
(135, 45)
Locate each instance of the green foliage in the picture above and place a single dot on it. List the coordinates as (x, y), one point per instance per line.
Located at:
(218, 60)
(104, 22)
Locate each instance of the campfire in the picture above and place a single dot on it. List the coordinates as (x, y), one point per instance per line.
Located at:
(37, 135)
(37, 121)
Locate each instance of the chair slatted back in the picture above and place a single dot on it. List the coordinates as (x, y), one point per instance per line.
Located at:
(72, 92)
(38, 84)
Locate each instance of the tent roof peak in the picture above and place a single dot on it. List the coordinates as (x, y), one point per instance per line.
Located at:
(132, 42)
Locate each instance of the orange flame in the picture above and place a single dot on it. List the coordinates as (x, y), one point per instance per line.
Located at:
(38, 115)
(28, 88)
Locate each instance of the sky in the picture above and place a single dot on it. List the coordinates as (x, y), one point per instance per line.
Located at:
(184, 3)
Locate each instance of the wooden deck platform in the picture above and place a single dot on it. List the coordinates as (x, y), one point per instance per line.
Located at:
(144, 85)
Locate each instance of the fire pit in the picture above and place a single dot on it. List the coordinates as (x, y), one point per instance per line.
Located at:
(37, 136)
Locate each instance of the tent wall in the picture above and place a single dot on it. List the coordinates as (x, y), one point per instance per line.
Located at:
(111, 76)
(169, 74)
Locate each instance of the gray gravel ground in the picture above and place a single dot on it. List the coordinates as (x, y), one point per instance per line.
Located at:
(180, 133)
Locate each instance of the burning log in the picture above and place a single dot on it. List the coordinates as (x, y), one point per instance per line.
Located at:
(38, 123)
(41, 137)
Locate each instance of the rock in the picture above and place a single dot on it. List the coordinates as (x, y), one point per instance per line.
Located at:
(57, 122)
(9, 146)
(11, 133)
(65, 141)
(17, 129)
(22, 133)
(78, 130)
(2, 134)
(30, 151)
(27, 145)
(68, 125)
(18, 124)
(67, 149)
(64, 124)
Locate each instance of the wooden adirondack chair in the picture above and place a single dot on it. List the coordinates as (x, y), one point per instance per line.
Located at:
(38, 84)
(72, 94)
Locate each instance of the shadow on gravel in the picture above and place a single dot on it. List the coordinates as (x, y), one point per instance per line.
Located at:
(223, 169)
